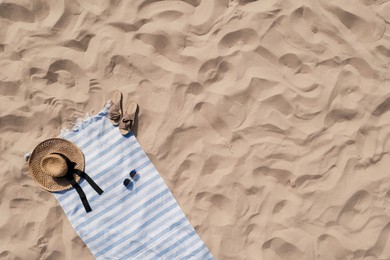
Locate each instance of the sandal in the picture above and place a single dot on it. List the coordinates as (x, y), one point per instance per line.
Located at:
(127, 122)
(116, 108)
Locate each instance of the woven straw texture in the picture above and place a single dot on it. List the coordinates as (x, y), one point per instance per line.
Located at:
(54, 165)
(47, 147)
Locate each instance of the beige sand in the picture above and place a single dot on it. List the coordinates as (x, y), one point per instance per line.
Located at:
(269, 120)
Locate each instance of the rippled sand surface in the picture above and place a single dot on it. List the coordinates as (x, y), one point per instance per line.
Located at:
(268, 120)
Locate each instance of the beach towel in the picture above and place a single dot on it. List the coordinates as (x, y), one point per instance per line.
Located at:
(140, 221)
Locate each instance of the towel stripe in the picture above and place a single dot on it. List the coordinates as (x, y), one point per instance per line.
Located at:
(122, 216)
(118, 197)
(157, 236)
(100, 174)
(109, 162)
(141, 221)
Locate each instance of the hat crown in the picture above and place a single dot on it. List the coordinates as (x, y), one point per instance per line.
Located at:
(54, 165)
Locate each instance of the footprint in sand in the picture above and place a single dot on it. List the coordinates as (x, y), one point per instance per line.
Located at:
(280, 175)
(355, 212)
(203, 18)
(222, 205)
(120, 67)
(16, 13)
(195, 88)
(345, 98)
(213, 70)
(15, 123)
(366, 27)
(278, 248)
(303, 22)
(290, 60)
(208, 112)
(383, 106)
(239, 40)
(79, 44)
(223, 118)
(166, 11)
(160, 43)
(279, 206)
(384, 51)
(65, 72)
(278, 103)
(61, 79)
(325, 242)
(382, 245)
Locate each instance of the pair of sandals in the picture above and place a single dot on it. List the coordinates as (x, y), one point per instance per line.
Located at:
(123, 119)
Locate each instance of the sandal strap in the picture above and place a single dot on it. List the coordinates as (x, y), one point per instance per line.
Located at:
(115, 113)
(128, 122)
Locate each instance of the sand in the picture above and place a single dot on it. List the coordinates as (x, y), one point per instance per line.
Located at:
(268, 120)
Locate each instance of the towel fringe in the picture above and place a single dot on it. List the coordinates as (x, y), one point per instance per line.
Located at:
(81, 123)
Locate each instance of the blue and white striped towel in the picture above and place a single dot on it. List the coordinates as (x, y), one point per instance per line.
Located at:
(140, 222)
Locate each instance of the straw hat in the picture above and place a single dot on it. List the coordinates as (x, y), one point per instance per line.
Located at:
(48, 168)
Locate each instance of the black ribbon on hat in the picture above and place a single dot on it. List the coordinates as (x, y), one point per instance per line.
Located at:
(70, 177)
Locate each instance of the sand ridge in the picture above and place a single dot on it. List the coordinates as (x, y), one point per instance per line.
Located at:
(267, 119)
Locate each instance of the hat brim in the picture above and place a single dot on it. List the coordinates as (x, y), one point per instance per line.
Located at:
(47, 147)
